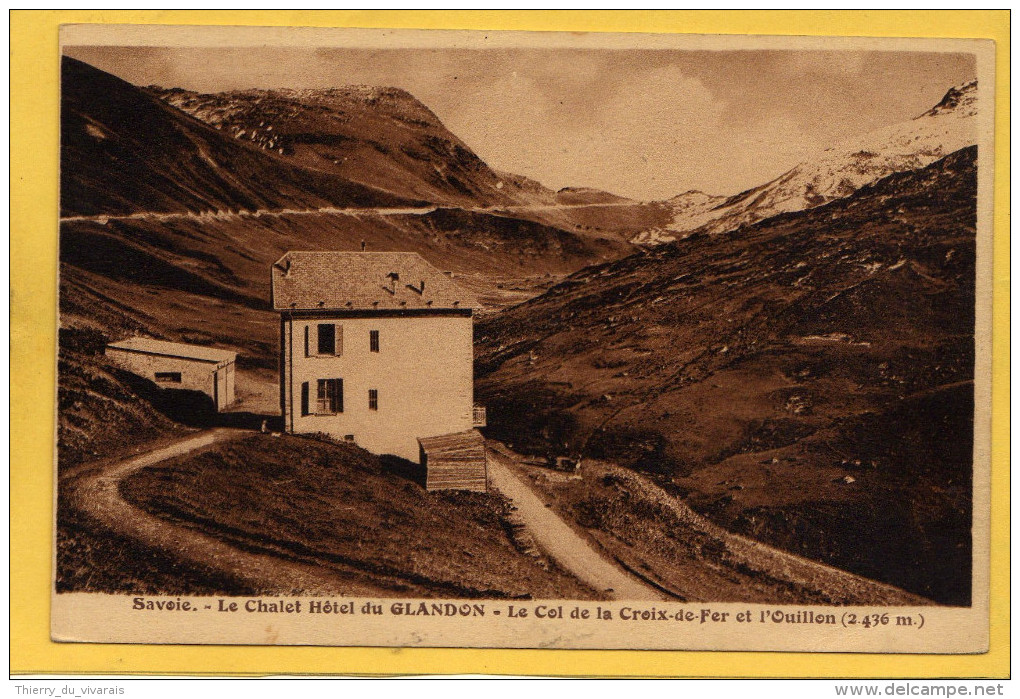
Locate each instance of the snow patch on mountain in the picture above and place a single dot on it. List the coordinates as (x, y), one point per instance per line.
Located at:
(835, 173)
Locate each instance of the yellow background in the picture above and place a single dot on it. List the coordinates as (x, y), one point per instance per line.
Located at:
(34, 102)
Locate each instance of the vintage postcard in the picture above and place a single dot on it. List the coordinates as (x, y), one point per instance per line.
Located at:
(523, 340)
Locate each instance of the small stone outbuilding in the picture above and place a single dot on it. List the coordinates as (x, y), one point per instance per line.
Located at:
(177, 366)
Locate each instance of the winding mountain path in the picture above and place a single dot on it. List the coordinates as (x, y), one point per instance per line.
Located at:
(97, 494)
(228, 215)
(757, 569)
(232, 215)
(562, 543)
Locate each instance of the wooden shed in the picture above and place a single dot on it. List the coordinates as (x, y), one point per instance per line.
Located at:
(454, 461)
(177, 366)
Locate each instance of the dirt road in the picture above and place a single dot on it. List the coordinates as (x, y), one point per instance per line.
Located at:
(233, 215)
(98, 495)
(716, 565)
(224, 215)
(560, 542)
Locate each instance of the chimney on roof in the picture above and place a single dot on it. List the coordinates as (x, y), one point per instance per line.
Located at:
(284, 265)
(362, 246)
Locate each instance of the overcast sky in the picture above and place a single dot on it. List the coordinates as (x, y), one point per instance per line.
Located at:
(645, 124)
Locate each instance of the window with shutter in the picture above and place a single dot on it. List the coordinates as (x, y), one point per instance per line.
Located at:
(329, 398)
(373, 399)
(327, 338)
(373, 340)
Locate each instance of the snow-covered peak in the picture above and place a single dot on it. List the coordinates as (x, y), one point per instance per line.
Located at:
(961, 99)
(836, 172)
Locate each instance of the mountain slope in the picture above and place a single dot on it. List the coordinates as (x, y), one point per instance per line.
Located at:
(204, 278)
(384, 137)
(836, 173)
(378, 136)
(126, 155)
(806, 380)
(584, 196)
(123, 151)
(684, 210)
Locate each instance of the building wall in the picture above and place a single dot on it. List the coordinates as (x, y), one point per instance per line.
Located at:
(225, 377)
(423, 373)
(196, 375)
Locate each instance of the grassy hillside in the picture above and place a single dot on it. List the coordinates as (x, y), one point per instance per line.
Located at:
(100, 408)
(615, 220)
(208, 279)
(658, 537)
(378, 136)
(384, 138)
(93, 558)
(807, 380)
(346, 510)
(124, 151)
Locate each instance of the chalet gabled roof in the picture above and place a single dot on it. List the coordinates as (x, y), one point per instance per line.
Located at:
(363, 281)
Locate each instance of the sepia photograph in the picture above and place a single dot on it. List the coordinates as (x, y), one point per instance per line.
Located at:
(516, 340)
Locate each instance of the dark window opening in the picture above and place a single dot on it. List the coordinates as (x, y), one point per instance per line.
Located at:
(373, 399)
(168, 377)
(304, 398)
(327, 338)
(373, 340)
(329, 397)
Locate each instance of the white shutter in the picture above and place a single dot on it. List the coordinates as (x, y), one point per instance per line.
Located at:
(338, 348)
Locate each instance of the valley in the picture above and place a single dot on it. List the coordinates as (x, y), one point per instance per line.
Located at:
(792, 365)
(761, 373)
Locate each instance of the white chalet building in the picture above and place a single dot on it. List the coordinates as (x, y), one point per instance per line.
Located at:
(377, 348)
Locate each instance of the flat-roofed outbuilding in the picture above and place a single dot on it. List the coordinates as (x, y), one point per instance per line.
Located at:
(179, 366)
